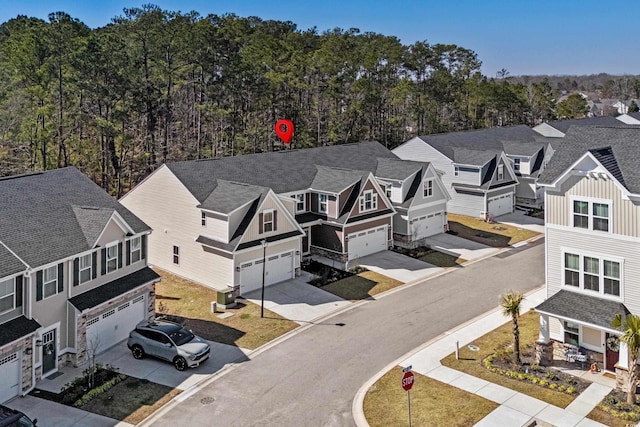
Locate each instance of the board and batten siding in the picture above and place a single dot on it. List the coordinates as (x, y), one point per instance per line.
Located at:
(164, 204)
(625, 215)
(284, 225)
(596, 244)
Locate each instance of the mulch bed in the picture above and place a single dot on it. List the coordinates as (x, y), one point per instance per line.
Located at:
(326, 274)
(76, 389)
(416, 253)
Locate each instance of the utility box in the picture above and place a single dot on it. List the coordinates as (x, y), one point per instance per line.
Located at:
(226, 298)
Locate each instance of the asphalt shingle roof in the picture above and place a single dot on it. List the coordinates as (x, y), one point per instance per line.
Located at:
(37, 217)
(564, 125)
(16, 329)
(282, 171)
(397, 169)
(9, 264)
(92, 221)
(584, 308)
(228, 196)
(108, 291)
(618, 148)
(335, 180)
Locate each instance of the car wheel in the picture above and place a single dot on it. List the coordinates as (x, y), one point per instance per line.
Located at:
(137, 351)
(180, 363)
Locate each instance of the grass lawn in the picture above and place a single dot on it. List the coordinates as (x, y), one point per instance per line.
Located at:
(441, 259)
(131, 400)
(191, 303)
(432, 403)
(361, 286)
(607, 419)
(496, 235)
(471, 361)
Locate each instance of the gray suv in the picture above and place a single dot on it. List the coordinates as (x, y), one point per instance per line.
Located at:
(169, 341)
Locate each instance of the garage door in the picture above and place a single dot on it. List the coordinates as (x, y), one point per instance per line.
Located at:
(427, 225)
(501, 205)
(9, 377)
(367, 242)
(114, 325)
(278, 268)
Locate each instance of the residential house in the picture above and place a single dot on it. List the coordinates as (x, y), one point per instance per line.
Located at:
(477, 167)
(222, 222)
(630, 118)
(73, 275)
(592, 240)
(558, 128)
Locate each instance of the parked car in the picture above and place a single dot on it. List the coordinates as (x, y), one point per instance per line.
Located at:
(169, 341)
(13, 418)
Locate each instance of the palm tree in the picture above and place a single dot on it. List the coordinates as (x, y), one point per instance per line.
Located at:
(510, 303)
(629, 325)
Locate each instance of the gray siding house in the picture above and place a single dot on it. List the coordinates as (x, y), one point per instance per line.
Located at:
(592, 219)
(73, 275)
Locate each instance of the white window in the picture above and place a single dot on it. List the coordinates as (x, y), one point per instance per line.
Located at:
(592, 273)
(7, 295)
(427, 188)
(135, 249)
(500, 172)
(456, 171)
(85, 265)
(322, 203)
(368, 201)
(591, 215)
(267, 221)
(50, 281)
(387, 190)
(516, 164)
(300, 202)
(203, 219)
(571, 333)
(176, 255)
(112, 258)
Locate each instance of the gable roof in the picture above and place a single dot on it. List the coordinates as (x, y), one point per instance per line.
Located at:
(9, 263)
(616, 148)
(282, 171)
(564, 125)
(38, 216)
(335, 180)
(229, 196)
(92, 221)
(397, 169)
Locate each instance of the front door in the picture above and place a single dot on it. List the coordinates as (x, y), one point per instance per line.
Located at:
(612, 352)
(305, 242)
(49, 352)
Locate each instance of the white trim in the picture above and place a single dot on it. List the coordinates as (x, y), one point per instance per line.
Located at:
(15, 255)
(265, 222)
(56, 327)
(252, 248)
(326, 203)
(590, 201)
(173, 255)
(592, 233)
(362, 201)
(14, 293)
(426, 205)
(294, 196)
(345, 225)
(428, 185)
(601, 257)
(119, 221)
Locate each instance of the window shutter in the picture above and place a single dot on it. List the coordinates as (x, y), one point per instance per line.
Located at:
(120, 255)
(128, 255)
(103, 261)
(260, 222)
(143, 246)
(39, 285)
(60, 277)
(18, 291)
(94, 264)
(275, 220)
(76, 271)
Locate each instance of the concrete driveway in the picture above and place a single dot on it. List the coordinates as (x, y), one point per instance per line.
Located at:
(457, 246)
(519, 219)
(297, 300)
(398, 266)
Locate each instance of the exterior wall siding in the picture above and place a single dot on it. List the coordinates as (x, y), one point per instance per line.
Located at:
(327, 237)
(400, 224)
(217, 229)
(526, 188)
(381, 201)
(253, 230)
(499, 192)
(625, 214)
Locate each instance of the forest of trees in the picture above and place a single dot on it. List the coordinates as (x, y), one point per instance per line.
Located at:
(156, 86)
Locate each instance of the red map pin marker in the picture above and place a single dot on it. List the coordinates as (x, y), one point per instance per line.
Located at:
(284, 130)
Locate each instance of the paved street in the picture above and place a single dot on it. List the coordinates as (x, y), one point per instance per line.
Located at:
(311, 378)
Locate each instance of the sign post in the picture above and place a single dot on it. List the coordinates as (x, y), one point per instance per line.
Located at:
(407, 383)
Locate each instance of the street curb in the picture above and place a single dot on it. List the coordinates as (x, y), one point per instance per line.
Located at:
(357, 406)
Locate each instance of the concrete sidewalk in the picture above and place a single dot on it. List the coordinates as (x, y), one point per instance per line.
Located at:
(516, 409)
(459, 247)
(397, 266)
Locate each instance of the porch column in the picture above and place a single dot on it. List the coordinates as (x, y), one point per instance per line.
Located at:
(544, 345)
(622, 368)
(623, 359)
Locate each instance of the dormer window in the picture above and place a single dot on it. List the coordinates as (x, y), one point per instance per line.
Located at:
(500, 172)
(300, 202)
(516, 164)
(387, 190)
(322, 203)
(368, 201)
(427, 188)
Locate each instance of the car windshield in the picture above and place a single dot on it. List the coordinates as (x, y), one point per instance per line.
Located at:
(181, 336)
(24, 422)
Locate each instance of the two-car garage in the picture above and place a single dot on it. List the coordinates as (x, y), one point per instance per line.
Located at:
(367, 242)
(500, 205)
(113, 325)
(278, 267)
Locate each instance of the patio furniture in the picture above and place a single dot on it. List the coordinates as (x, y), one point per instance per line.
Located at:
(575, 355)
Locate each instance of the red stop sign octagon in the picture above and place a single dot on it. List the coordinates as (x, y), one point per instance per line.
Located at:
(407, 380)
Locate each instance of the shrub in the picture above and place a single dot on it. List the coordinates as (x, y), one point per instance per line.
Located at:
(562, 388)
(571, 390)
(544, 383)
(91, 394)
(553, 386)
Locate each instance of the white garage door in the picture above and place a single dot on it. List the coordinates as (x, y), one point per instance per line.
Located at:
(278, 268)
(501, 205)
(427, 225)
(113, 326)
(9, 377)
(367, 242)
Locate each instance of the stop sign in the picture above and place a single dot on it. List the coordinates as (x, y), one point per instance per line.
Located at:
(407, 380)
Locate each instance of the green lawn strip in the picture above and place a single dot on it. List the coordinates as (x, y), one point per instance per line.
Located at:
(361, 286)
(607, 419)
(496, 234)
(440, 259)
(432, 403)
(131, 400)
(190, 304)
(471, 361)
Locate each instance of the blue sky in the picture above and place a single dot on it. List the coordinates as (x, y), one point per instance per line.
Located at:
(523, 36)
